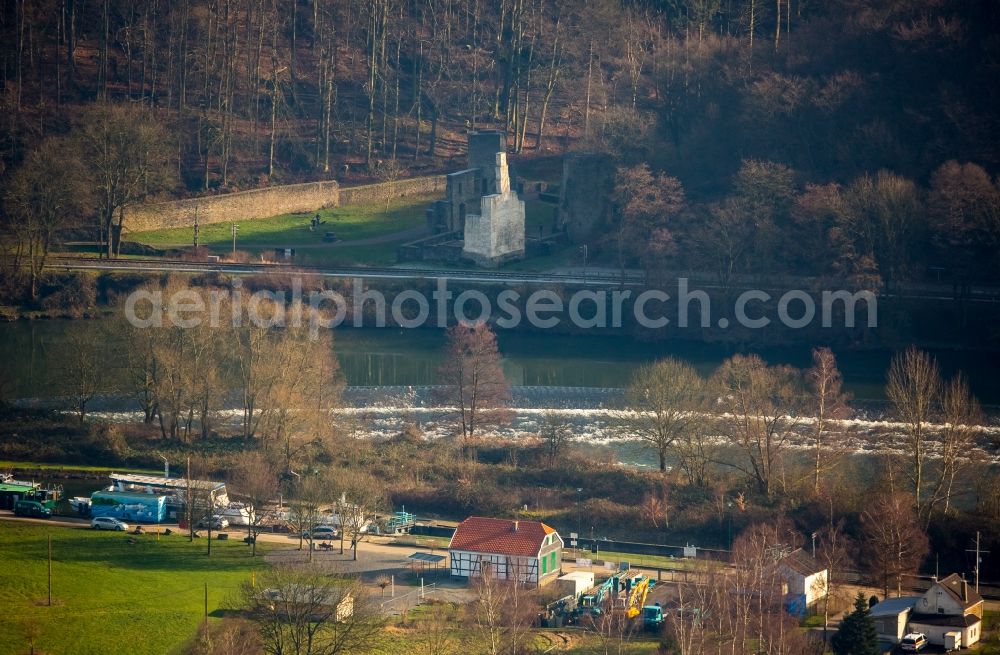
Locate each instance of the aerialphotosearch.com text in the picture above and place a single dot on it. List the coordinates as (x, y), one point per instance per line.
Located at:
(318, 310)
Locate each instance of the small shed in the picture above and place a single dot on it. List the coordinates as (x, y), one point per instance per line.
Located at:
(806, 578)
(420, 563)
(575, 583)
(890, 617)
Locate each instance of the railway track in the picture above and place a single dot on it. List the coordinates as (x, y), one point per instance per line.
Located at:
(350, 272)
(591, 278)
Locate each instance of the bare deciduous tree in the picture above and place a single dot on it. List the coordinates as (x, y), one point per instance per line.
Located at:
(502, 612)
(82, 367)
(360, 496)
(835, 553)
(435, 634)
(760, 400)
(893, 545)
(308, 497)
(960, 411)
(556, 434)
(127, 151)
(664, 403)
(473, 382)
(304, 611)
(255, 484)
(829, 403)
(913, 387)
(45, 196)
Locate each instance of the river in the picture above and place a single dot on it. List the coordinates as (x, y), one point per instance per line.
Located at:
(31, 351)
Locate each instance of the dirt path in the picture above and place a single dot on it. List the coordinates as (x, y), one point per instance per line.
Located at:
(411, 234)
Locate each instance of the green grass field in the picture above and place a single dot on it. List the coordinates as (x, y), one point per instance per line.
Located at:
(38, 466)
(350, 223)
(110, 596)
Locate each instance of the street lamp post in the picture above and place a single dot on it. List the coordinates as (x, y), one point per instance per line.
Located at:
(579, 520)
(236, 228)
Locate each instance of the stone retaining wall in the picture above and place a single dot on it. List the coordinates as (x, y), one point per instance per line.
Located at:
(271, 201)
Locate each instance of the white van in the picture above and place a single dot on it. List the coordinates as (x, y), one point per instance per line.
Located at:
(914, 642)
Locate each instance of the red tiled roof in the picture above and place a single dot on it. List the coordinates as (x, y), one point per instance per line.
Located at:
(483, 535)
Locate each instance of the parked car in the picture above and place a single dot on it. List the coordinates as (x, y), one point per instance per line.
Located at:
(914, 642)
(31, 508)
(321, 532)
(108, 523)
(216, 522)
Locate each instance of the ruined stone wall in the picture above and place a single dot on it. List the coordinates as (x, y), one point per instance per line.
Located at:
(272, 201)
(483, 149)
(369, 193)
(585, 194)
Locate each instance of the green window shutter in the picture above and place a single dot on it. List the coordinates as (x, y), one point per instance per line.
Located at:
(544, 571)
(552, 565)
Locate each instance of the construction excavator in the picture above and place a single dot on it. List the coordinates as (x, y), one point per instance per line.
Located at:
(637, 597)
(623, 592)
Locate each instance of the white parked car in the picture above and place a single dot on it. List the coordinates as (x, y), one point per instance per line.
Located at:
(216, 522)
(322, 532)
(914, 642)
(108, 523)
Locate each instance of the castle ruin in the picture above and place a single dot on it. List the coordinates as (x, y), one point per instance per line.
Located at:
(481, 218)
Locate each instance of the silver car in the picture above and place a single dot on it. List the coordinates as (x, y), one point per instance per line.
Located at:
(321, 532)
(108, 523)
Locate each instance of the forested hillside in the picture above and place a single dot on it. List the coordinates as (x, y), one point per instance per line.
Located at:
(756, 108)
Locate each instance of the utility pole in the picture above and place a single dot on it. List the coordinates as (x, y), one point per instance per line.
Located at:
(979, 558)
(196, 227)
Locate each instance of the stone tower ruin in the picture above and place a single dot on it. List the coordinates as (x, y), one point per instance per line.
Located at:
(496, 234)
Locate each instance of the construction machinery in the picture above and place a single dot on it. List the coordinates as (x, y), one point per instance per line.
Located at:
(652, 617)
(622, 592)
(637, 597)
(592, 601)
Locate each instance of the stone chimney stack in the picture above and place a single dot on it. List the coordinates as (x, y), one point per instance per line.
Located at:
(514, 529)
(965, 590)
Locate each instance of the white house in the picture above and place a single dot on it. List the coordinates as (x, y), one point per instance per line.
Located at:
(950, 605)
(890, 617)
(805, 577)
(526, 551)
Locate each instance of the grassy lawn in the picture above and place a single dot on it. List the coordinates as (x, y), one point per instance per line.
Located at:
(350, 223)
(640, 560)
(562, 258)
(373, 254)
(110, 596)
(991, 634)
(37, 466)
